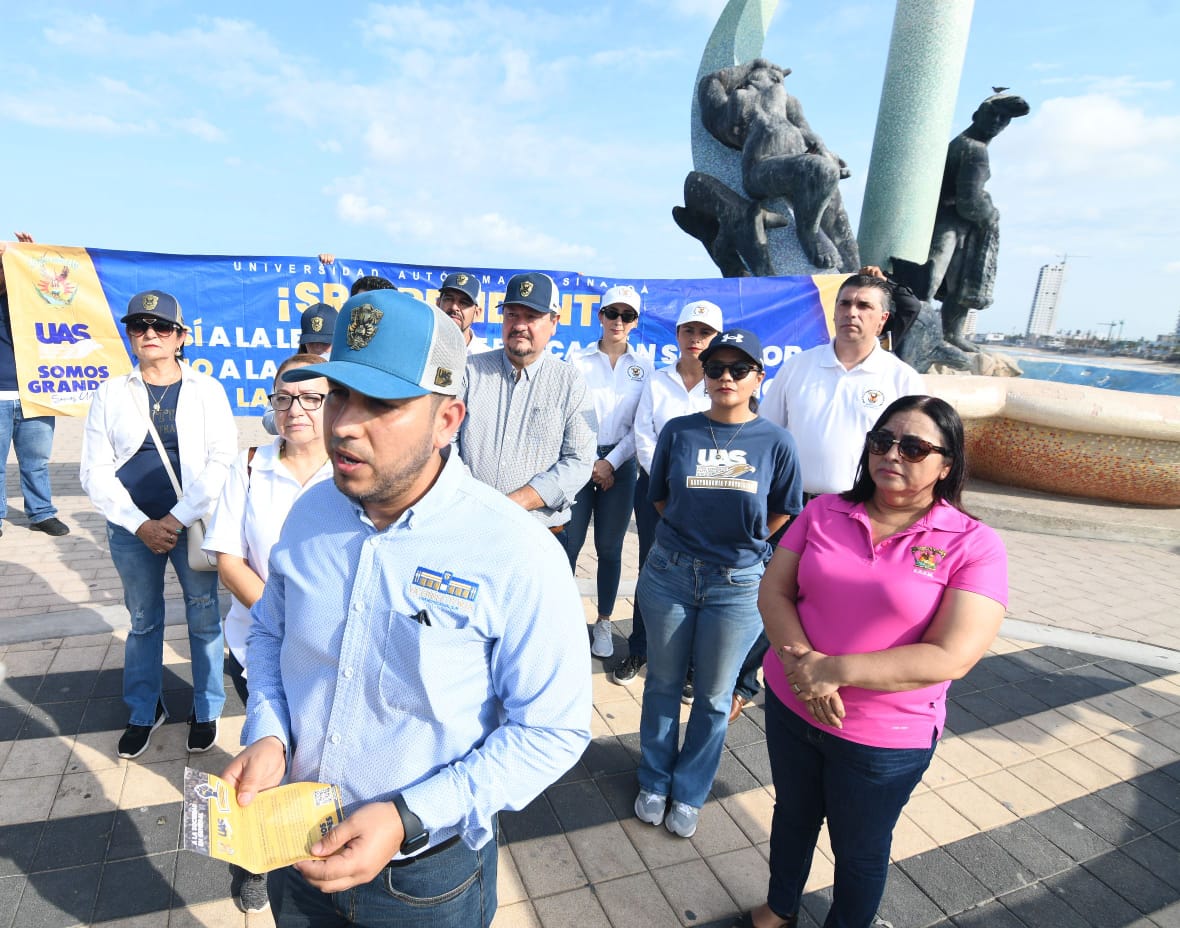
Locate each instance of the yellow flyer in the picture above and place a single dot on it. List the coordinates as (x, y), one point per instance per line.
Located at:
(278, 828)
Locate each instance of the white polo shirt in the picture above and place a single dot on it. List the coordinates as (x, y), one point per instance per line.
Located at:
(615, 393)
(829, 409)
(664, 398)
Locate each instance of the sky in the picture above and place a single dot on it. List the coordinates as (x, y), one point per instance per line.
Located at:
(535, 134)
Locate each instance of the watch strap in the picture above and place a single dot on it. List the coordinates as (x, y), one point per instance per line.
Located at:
(415, 835)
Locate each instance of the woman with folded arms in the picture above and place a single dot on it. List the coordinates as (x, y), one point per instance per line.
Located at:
(875, 599)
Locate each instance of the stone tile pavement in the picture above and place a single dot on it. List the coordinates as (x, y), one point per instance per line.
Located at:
(1053, 800)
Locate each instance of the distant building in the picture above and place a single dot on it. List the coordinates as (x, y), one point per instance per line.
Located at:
(1042, 318)
(970, 322)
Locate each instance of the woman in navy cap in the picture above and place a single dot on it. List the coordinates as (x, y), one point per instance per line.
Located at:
(723, 480)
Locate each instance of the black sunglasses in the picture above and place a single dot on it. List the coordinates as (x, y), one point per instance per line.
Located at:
(161, 326)
(739, 370)
(309, 401)
(910, 447)
(627, 315)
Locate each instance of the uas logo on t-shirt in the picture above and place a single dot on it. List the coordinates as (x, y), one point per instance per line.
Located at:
(721, 470)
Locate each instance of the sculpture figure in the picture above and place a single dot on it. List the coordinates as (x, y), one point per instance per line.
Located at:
(966, 239)
(746, 107)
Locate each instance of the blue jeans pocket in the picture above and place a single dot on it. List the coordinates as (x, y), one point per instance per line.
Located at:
(745, 576)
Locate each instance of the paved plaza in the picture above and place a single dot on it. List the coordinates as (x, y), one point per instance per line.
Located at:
(1053, 800)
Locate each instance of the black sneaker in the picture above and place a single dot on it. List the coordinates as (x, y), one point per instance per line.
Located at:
(136, 738)
(252, 893)
(628, 669)
(51, 526)
(201, 735)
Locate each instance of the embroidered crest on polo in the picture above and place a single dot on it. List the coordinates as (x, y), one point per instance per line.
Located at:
(445, 584)
(150, 302)
(926, 558)
(635, 372)
(363, 326)
(526, 288)
(872, 398)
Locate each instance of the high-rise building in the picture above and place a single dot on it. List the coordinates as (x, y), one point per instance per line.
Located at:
(1042, 318)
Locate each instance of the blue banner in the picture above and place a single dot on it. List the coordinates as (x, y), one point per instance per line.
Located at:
(244, 312)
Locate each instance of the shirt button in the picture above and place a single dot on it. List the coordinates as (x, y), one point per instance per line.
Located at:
(347, 673)
(335, 739)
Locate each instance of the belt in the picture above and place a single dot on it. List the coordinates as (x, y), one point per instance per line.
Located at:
(429, 852)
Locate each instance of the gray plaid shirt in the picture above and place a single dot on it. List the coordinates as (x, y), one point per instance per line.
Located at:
(539, 431)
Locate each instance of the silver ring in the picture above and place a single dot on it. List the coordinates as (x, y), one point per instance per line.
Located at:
(795, 687)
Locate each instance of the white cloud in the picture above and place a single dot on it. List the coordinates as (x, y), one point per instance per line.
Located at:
(201, 128)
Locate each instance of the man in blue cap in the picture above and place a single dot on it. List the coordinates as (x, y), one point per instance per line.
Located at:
(532, 432)
(396, 653)
(458, 297)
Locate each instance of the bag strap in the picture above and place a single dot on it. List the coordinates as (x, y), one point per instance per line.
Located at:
(159, 444)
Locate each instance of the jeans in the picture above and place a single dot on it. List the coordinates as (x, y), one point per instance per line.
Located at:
(142, 573)
(32, 440)
(646, 519)
(455, 887)
(747, 681)
(861, 789)
(612, 514)
(707, 615)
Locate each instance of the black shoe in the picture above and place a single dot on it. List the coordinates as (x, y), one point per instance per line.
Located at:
(201, 735)
(687, 694)
(136, 738)
(51, 526)
(628, 669)
(252, 893)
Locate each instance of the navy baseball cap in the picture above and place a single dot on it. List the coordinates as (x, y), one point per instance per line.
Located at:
(156, 303)
(464, 282)
(534, 290)
(742, 340)
(391, 346)
(318, 323)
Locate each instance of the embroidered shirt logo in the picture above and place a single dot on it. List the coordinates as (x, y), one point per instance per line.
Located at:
(446, 584)
(926, 558)
(635, 372)
(872, 398)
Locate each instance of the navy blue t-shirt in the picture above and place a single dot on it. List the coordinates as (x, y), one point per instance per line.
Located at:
(144, 475)
(719, 487)
(8, 380)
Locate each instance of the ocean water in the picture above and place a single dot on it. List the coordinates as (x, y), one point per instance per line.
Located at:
(1126, 379)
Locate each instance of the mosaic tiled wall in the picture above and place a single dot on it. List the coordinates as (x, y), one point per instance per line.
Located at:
(1110, 467)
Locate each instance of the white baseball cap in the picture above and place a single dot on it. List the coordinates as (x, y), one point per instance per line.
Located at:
(702, 311)
(623, 293)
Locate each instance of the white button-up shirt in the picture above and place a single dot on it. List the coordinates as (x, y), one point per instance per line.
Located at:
(615, 393)
(665, 397)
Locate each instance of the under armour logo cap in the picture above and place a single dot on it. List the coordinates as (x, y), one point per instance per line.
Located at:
(742, 341)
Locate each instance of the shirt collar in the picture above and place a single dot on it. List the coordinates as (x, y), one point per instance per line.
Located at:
(528, 372)
(875, 361)
(438, 499)
(943, 517)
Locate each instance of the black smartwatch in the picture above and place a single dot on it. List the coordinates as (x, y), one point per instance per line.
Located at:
(416, 836)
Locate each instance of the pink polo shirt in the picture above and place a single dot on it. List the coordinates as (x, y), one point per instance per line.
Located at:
(855, 598)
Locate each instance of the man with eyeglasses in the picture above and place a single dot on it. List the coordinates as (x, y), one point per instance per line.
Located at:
(828, 397)
(530, 431)
(31, 437)
(458, 297)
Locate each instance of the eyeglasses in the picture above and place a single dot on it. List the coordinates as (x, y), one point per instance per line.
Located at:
(627, 315)
(139, 327)
(739, 370)
(309, 401)
(910, 447)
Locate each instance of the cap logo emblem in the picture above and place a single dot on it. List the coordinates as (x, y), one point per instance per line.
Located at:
(363, 326)
(150, 301)
(317, 323)
(526, 288)
(698, 310)
(460, 279)
(733, 337)
(442, 377)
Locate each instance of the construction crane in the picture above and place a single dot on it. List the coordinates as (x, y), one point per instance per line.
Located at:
(1110, 329)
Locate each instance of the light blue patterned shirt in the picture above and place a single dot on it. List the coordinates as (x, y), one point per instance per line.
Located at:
(444, 658)
(539, 431)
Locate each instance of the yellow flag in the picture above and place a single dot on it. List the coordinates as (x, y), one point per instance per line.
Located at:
(66, 339)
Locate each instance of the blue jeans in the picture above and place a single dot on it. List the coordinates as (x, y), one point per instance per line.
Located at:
(142, 573)
(646, 520)
(612, 514)
(455, 887)
(32, 440)
(707, 615)
(861, 789)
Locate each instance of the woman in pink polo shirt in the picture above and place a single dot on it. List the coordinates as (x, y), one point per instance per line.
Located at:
(875, 600)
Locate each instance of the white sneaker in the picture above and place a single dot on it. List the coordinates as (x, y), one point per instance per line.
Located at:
(603, 645)
(682, 820)
(649, 807)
